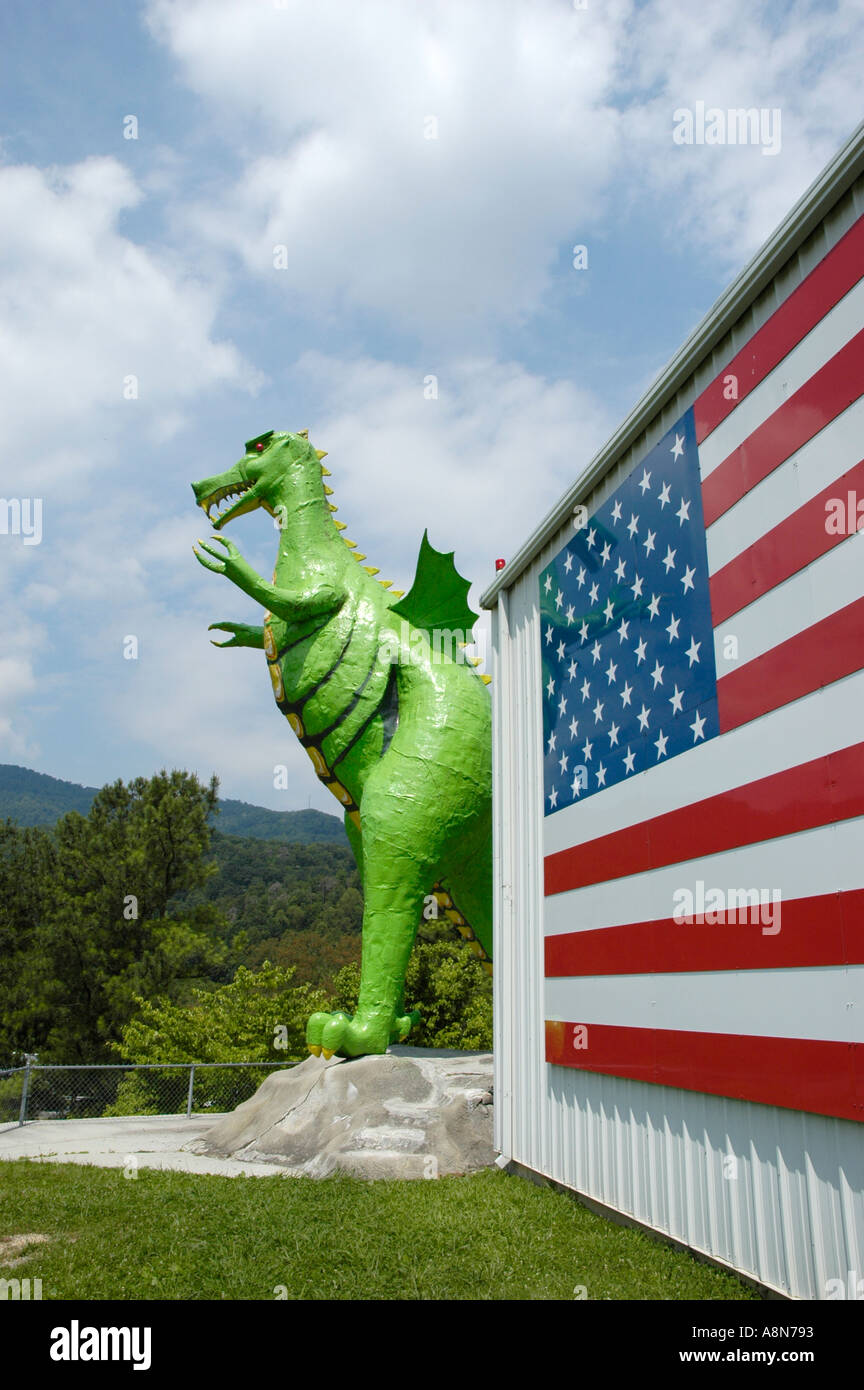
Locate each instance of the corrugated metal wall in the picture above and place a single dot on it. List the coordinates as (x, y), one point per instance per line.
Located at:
(775, 1193)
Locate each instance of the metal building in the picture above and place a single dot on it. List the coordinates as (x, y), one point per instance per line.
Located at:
(728, 1116)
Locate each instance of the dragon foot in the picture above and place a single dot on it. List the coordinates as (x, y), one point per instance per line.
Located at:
(362, 1035)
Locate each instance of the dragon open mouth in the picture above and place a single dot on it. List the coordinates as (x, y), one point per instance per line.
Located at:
(232, 496)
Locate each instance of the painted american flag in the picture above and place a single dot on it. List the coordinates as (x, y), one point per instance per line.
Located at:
(702, 655)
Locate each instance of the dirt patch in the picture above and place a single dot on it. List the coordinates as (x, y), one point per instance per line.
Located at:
(14, 1250)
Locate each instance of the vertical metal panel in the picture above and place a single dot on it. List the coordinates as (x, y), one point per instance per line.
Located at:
(776, 1193)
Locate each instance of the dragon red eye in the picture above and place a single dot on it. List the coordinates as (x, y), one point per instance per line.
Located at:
(259, 447)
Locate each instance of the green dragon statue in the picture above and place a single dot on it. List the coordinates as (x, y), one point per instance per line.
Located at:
(395, 720)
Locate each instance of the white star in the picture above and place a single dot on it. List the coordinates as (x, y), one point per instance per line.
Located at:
(548, 634)
(586, 691)
(620, 570)
(678, 447)
(609, 610)
(559, 599)
(597, 712)
(643, 718)
(605, 552)
(640, 651)
(623, 629)
(616, 512)
(613, 734)
(553, 739)
(697, 726)
(687, 578)
(572, 669)
(645, 481)
(548, 583)
(560, 651)
(580, 578)
(583, 631)
(553, 798)
(664, 497)
(693, 651)
(574, 728)
(563, 761)
(596, 652)
(571, 613)
(657, 674)
(637, 587)
(610, 671)
(675, 700)
(550, 687)
(626, 693)
(601, 776)
(591, 538)
(660, 745)
(649, 542)
(562, 705)
(683, 512)
(577, 783)
(673, 627)
(633, 526)
(593, 592)
(568, 563)
(586, 750)
(654, 605)
(669, 558)
(628, 761)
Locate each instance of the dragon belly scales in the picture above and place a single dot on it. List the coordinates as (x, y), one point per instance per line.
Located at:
(376, 686)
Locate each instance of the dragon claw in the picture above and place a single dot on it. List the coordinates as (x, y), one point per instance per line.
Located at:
(315, 1049)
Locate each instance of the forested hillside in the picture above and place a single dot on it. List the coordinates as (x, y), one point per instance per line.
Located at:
(34, 798)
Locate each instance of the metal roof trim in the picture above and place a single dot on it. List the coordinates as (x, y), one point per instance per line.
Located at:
(837, 176)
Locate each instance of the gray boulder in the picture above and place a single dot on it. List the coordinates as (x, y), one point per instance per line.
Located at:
(412, 1113)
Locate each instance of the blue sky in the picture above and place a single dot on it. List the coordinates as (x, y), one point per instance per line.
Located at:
(307, 125)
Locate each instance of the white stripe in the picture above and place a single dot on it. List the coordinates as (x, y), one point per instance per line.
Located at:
(826, 859)
(805, 1003)
(822, 722)
(806, 598)
(805, 473)
(828, 336)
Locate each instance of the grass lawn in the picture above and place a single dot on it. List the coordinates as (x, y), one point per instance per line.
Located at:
(184, 1236)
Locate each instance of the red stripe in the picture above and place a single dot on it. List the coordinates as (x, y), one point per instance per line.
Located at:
(823, 930)
(827, 789)
(826, 652)
(787, 548)
(824, 287)
(814, 405)
(824, 1077)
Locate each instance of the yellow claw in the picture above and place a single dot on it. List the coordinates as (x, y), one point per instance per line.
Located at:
(315, 1049)
(326, 1055)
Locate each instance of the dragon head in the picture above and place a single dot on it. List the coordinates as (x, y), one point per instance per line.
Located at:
(278, 472)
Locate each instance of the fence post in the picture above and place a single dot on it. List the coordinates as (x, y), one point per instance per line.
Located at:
(191, 1089)
(29, 1059)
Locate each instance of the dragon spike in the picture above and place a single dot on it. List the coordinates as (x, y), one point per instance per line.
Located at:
(370, 569)
(326, 472)
(398, 593)
(487, 680)
(304, 434)
(328, 490)
(386, 582)
(351, 544)
(340, 525)
(357, 555)
(332, 508)
(322, 454)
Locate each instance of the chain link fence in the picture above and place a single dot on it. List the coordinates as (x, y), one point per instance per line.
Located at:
(36, 1092)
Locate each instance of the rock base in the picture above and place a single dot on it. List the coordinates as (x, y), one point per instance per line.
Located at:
(412, 1113)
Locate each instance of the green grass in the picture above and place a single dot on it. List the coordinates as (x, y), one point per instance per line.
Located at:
(183, 1236)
